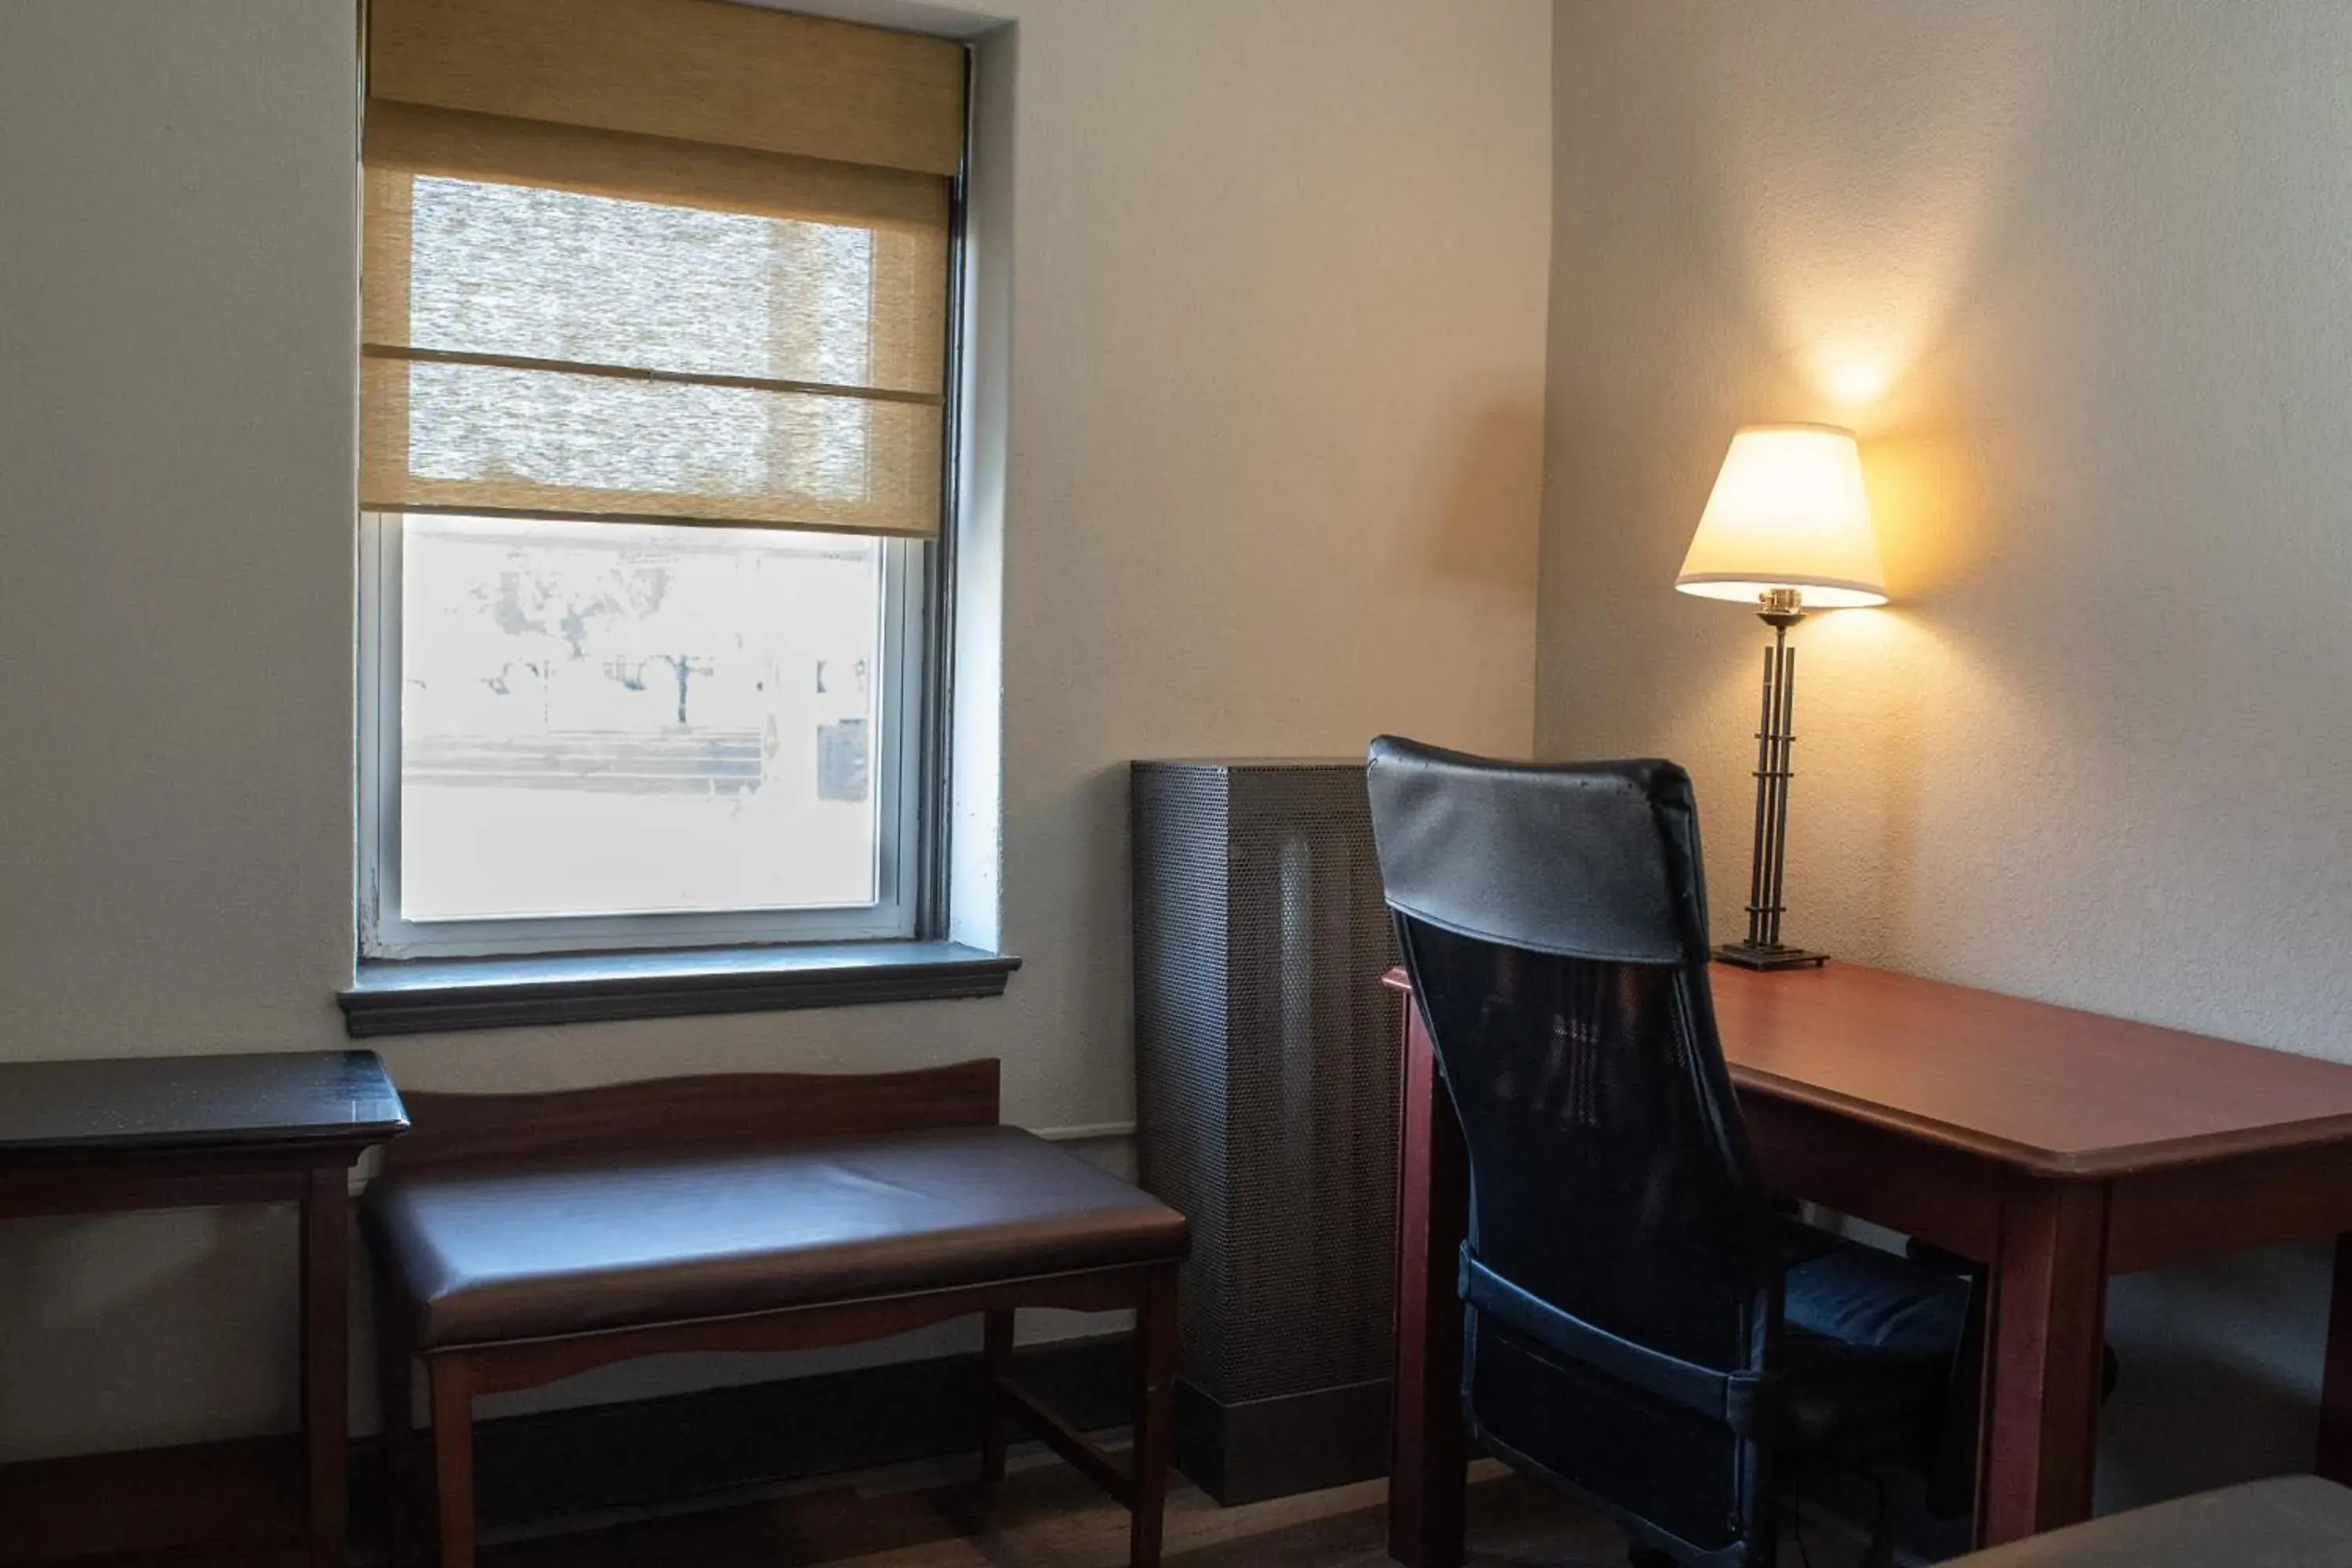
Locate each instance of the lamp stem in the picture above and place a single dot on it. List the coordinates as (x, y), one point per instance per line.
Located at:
(1775, 739)
(1758, 863)
(1782, 773)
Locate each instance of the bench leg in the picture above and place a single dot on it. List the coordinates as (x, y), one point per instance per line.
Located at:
(1155, 1400)
(452, 1458)
(995, 1362)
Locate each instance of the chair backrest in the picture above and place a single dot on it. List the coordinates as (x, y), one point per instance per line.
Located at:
(1621, 1288)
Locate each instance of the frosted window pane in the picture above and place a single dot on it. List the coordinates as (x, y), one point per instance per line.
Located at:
(618, 719)
(477, 421)
(542, 274)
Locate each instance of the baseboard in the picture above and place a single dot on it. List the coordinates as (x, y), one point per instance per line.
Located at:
(1272, 1447)
(533, 1472)
(238, 1502)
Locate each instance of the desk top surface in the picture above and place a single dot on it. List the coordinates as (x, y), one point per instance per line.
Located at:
(157, 1104)
(2057, 1089)
(2051, 1089)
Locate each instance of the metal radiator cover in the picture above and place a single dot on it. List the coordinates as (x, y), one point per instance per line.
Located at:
(1266, 1068)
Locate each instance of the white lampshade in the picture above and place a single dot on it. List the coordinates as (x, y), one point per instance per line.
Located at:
(1788, 511)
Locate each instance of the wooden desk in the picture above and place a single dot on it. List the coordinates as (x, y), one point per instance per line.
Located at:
(82, 1137)
(2057, 1146)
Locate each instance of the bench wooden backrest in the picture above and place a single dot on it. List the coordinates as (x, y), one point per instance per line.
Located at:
(687, 1115)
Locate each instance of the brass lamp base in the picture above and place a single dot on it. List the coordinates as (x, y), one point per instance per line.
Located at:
(1768, 955)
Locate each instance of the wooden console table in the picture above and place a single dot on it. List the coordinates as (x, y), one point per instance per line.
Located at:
(83, 1137)
(2058, 1147)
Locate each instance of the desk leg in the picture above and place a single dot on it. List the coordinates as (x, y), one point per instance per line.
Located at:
(326, 1327)
(2046, 1325)
(1428, 1453)
(2335, 1383)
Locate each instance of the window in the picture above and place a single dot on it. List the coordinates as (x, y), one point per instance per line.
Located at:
(652, 444)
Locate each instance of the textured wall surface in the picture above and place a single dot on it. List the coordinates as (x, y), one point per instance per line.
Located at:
(2078, 275)
(1273, 392)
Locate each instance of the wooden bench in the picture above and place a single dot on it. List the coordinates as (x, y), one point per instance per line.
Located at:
(522, 1238)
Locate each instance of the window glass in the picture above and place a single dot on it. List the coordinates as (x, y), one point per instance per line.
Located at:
(613, 718)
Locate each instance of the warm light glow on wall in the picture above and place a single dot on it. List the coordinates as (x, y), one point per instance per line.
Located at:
(1854, 376)
(1856, 262)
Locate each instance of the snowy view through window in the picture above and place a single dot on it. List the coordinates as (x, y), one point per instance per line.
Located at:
(620, 719)
(612, 718)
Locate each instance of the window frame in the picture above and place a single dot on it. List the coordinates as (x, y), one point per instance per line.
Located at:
(902, 775)
(918, 723)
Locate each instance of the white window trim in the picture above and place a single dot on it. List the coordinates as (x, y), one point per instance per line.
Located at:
(901, 776)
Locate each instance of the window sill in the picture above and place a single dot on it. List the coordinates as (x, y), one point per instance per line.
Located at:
(431, 996)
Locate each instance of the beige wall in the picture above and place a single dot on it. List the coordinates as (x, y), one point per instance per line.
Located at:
(1272, 401)
(2077, 273)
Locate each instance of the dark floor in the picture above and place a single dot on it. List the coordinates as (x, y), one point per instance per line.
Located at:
(1046, 1515)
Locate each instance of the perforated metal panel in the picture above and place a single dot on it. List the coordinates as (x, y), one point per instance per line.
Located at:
(1266, 1067)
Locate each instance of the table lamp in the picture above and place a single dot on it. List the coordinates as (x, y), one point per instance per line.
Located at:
(1787, 530)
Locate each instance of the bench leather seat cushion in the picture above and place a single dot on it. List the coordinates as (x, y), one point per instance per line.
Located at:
(2289, 1522)
(524, 1252)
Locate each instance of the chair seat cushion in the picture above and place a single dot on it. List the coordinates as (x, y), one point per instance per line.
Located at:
(1869, 1345)
(2289, 1522)
(1863, 1296)
(569, 1248)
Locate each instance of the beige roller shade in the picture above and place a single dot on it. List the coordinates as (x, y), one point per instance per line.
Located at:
(694, 70)
(650, 168)
(577, 322)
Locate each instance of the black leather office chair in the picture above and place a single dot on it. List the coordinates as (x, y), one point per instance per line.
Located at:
(1625, 1273)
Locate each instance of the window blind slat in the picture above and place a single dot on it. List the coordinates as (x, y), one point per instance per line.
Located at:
(494, 441)
(695, 71)
(633, 373)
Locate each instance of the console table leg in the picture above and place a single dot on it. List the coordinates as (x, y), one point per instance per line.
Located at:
(326, 1350)
(396, 1385)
